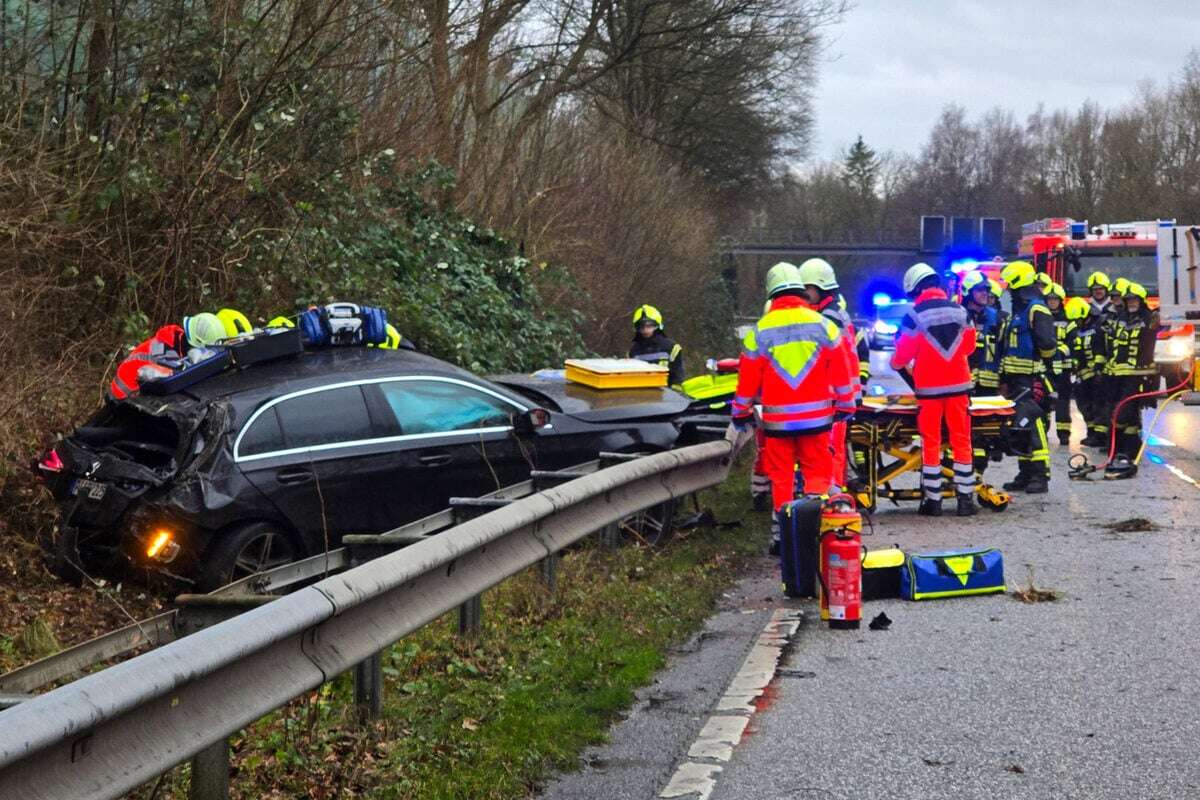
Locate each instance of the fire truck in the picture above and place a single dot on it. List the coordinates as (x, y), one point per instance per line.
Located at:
(1070, 251)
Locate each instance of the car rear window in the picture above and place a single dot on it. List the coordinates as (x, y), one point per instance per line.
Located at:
(439, 407)
(329, 416)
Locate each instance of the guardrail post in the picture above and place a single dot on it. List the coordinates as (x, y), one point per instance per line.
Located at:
(210, 773)
(610, 536)
(470, 616)
(549, 570)
(368, 688)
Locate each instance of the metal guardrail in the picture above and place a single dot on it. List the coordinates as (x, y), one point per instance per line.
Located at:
(111, 731)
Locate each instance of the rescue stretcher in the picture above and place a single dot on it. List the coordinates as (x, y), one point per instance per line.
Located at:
(884, 431)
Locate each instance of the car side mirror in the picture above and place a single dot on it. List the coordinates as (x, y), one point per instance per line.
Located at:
(531, 421)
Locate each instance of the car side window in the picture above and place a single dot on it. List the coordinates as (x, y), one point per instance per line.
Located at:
(263, 436)
(427, 406)
(329, 416)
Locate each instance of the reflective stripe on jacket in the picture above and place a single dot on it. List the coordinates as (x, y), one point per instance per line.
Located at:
(1133, 347)
(662, 350)
(829, 310)
(937, 341)
(159, 354)
(1028, 339)
(985, 366)
(793, 364)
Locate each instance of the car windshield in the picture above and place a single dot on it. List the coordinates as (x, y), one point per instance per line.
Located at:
(1138, 267)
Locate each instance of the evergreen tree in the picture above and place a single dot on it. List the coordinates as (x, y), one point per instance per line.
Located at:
(860, 169)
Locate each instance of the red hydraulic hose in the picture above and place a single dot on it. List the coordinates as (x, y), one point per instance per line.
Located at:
(1112, 445)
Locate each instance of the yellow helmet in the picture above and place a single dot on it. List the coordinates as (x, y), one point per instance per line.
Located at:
(1058, 291)
(235, 322)
(1098, 279)
(645, 312)
(1120, 286)
(783, 276)
(1077, 308)
(995, 288)
(1018, 275)
(1136, 290)
(818, 272)
(974, 280)
(281, 322)
(393, 338)
(203, 329)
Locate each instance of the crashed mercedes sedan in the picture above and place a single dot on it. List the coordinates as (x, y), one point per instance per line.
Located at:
(251, 469)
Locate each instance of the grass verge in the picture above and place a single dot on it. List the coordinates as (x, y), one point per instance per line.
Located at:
(491, 718)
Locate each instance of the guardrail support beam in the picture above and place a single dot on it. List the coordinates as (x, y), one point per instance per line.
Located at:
(210, 773)
(548, 567)
(368, 688)
(470, 616)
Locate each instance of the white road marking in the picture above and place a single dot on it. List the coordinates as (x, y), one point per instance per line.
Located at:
(725, 727)
(692, 779)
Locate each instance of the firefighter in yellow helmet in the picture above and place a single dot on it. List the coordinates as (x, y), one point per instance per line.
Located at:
(1061, 367)
(1028, 342)
(1131, 369)
(651, 344)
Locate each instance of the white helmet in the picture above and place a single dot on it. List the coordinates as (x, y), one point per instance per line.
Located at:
(818, 272)
(917, 273)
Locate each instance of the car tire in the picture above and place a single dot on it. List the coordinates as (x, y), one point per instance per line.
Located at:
(244, 551)
(653, 527)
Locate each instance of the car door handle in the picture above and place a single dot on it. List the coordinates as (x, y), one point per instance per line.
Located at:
(296, 475)
(435, 459)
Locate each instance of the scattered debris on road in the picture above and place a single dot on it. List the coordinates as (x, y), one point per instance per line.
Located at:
(881, 622)
(1133, 525)
(1030, 593)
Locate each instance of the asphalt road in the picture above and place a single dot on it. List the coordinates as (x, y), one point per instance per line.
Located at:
(1092, 696)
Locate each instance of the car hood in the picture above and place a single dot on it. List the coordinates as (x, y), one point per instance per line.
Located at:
(594, 405)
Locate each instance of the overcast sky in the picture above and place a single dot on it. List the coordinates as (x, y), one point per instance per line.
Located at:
(892, 64)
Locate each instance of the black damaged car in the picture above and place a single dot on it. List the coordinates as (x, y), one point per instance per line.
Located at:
(251, 469)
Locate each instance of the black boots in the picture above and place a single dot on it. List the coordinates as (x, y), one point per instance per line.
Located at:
(930, 508)
(966, 505)
(1018, 483)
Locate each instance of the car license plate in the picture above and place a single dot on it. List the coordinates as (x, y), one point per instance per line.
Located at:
(92, 490)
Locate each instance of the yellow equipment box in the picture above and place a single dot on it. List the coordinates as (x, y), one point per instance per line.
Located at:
(616, 373)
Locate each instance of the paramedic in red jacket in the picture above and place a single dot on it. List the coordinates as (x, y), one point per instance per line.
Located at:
(821, 291)
(935, 343)
(792, 364)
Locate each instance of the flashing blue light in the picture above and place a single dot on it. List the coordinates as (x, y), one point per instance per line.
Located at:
(964, 265)
(1155, 458)
(882, 299)
(885, 327)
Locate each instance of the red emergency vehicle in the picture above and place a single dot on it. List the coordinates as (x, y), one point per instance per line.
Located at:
(1069, 251)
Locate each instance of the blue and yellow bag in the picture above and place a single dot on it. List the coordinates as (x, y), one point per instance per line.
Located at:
(953, 573)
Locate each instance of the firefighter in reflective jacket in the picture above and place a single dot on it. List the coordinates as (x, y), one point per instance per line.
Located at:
(652, 345)
(792, 363)
(820, 289)
(935, 343)
(164, 353)
(986, 321)
(1061, 365)
(1085, 364)
(1131, 366)
(1027, 343)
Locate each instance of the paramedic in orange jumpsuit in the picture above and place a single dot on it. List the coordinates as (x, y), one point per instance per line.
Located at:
(935, 344)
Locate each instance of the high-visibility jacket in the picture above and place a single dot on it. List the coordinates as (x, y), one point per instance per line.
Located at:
(829, 309)
(1028, 338)
(161, 353)
(1132, 349)
(1110, 326)
(1086, 359)
(863, 350)
(792, 362)
(936, 339)
(985, 366)
(662, 350)
(1062, 364)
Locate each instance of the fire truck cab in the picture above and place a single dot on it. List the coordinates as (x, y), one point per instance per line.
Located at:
(1070, 251)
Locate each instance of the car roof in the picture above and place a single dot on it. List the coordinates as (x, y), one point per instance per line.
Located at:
(317, 367)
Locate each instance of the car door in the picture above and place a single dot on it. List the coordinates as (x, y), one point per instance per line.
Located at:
(454, 438)
(322, 459)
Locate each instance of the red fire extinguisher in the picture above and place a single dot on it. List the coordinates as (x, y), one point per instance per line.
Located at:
(840, 563)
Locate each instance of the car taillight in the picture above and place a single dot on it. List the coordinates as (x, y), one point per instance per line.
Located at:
(1178, 330)
(51, 463)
